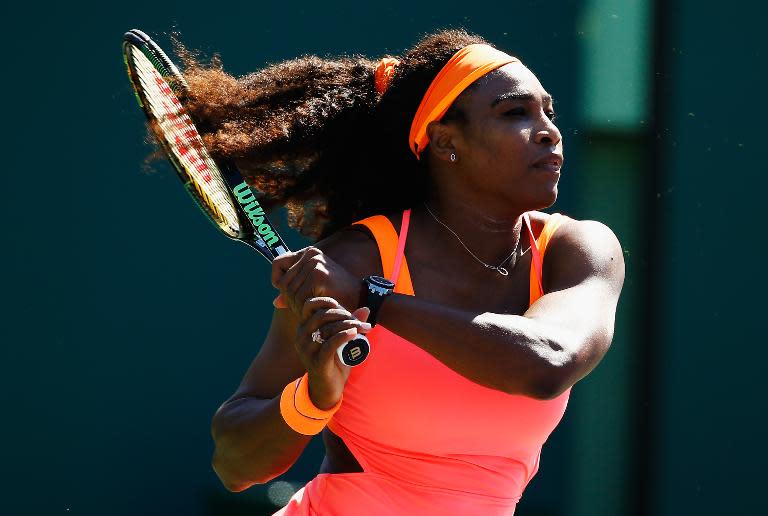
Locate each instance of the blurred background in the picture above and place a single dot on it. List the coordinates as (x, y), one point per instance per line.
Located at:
(125, 321)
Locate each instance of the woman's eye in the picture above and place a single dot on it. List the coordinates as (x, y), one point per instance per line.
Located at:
(520, 111)
(517, 111)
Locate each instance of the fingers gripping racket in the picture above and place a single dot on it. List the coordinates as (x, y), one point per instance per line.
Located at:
(217, 187)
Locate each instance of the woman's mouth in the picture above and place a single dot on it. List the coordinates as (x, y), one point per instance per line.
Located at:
(552, 162)
(551, 167)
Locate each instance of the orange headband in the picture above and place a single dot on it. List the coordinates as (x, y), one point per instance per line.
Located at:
(466, 66)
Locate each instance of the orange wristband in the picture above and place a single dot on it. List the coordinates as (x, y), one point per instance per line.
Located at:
(299, 412)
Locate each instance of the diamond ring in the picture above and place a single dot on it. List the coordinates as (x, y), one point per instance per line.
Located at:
(317, 337)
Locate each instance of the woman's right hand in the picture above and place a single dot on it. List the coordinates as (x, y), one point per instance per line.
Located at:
(327, 375)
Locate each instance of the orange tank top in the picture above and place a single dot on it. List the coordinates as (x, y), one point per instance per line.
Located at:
(428, 439)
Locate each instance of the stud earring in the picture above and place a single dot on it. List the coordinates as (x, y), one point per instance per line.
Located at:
(453, 157)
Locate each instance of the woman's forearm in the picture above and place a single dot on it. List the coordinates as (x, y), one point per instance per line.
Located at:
(509, 353)
(253, 442)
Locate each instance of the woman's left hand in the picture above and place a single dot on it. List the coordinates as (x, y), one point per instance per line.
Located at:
(309, 273)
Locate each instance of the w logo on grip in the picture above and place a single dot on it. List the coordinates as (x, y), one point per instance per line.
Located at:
(255, 212)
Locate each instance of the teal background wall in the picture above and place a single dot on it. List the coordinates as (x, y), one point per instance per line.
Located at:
(127, 320)
(709, 420)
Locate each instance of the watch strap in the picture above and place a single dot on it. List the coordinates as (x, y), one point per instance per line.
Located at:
(375, 293)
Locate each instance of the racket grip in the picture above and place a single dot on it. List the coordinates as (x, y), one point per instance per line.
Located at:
(355, 351)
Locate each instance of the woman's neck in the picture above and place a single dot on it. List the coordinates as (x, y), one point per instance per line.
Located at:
(490, 234)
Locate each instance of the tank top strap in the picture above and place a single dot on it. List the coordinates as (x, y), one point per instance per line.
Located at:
(538, 249)
(392, 249)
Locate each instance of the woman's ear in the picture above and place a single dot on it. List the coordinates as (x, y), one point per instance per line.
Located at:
(441, 140)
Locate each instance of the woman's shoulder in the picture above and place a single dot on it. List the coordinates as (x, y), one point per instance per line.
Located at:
(354, 248)
(567, 224)
(539, 219)
(570, 228)
(579, 241)
(576, 239)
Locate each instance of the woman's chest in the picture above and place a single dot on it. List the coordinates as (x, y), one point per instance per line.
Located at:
(473, 289)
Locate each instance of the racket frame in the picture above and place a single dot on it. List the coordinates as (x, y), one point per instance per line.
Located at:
(255, 229)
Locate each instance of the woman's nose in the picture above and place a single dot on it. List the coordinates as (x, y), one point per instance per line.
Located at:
(548, 133)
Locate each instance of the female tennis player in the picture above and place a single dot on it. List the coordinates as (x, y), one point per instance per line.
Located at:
(422, 178)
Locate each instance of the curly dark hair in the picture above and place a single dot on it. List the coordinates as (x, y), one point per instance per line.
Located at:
(314, 135)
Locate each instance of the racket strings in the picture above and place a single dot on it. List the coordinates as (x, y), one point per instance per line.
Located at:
(183, 140)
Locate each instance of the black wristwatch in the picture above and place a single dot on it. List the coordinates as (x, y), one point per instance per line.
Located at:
(376, 290)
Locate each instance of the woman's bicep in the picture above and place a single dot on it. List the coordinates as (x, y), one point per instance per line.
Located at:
(578, 310)
(276, 363)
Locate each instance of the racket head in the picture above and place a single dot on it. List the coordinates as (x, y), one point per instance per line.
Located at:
(217, 189)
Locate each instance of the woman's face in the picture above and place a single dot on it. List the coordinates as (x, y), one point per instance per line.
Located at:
(508, 129)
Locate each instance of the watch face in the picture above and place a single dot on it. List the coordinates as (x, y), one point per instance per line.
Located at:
(381, 282)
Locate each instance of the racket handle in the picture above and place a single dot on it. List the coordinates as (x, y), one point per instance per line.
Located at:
(355, 351)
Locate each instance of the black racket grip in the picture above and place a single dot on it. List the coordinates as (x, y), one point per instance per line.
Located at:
(355, 351)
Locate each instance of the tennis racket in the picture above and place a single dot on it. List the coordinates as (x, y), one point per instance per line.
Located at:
(217, 187)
